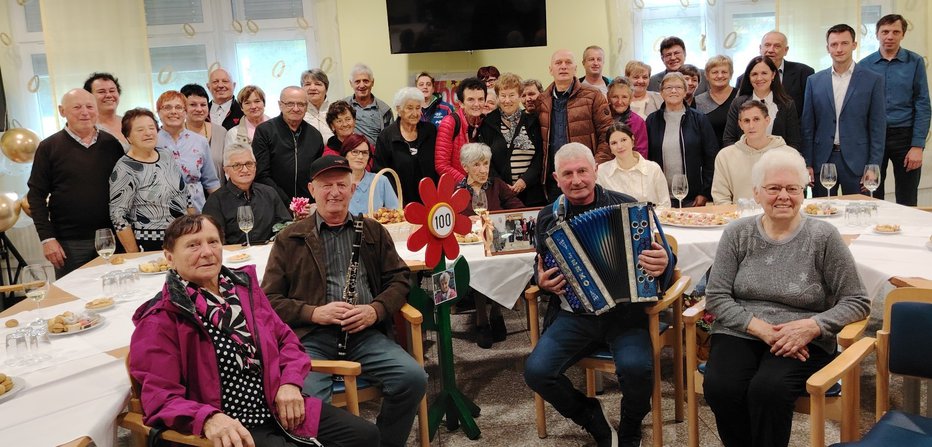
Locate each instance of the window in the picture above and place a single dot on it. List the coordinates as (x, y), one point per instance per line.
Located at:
(33, 17)
(173, 12)
(175, 66)
(43, 96)
(661, 19)
(271, 65)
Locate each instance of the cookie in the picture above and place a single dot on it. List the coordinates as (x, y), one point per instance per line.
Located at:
(12, 322)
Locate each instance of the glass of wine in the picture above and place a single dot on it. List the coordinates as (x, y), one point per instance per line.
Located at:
(104, 243)
(679, 187)
(871, 178)
(828, 176)
(245, 220)
(35, 282)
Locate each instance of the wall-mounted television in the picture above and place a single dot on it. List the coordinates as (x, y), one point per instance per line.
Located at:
(424, 26)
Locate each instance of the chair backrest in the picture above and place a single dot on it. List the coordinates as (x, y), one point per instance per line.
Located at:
(135, 405)
(907, 318)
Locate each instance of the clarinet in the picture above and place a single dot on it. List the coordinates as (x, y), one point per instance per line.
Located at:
(350, 295)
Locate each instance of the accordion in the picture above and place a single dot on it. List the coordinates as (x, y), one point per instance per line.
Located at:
(597, 253)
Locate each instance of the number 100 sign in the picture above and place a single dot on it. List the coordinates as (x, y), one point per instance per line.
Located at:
(440, 220)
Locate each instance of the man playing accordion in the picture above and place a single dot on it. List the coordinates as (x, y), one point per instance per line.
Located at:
(570, 335)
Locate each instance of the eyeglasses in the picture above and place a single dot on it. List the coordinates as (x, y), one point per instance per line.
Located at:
(672, 54)
(293, 105)
(673, 88)
(170, 108)
(793, 190)
(239, 166)
(358, 153)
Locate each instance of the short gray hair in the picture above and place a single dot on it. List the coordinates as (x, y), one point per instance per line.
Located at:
(777, 159)
(675, 76)
(473, 152)
(316, 74)
(408, 94)
(237, 149)
(572, 151)
(361, 68)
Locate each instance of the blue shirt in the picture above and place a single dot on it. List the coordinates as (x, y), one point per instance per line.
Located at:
(384, 195)
(192, 153)
(907, 91)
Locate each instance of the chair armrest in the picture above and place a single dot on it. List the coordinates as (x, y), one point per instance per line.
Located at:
(133, 422)
(851, 333)
(823, 379)
(673, 294)
(694, 313)
(531, 293)
(411, 314)
(337, 367)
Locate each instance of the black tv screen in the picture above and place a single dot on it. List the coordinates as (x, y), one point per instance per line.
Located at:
(422, 26)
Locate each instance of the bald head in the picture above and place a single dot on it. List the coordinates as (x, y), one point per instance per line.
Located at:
(79, 108)
(774, 45)
(563, 68)
(221, 85)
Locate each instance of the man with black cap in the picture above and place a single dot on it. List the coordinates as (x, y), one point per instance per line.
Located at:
(305, 280)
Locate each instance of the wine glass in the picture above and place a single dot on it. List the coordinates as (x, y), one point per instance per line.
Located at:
(36, 284)
(680, 187)
(828, 177)
(871, 178)
(104, 243)
(245, 220)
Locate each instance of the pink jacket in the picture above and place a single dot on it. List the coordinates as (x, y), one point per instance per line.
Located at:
(173, 358)
(639, 128)
(447, 147)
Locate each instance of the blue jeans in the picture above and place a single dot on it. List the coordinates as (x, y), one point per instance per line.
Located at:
(402, 381)
(571, 337)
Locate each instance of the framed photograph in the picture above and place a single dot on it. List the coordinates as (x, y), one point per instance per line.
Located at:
(513, 231)
(444, 286)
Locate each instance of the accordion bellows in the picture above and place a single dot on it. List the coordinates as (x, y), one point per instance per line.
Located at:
(597, 253)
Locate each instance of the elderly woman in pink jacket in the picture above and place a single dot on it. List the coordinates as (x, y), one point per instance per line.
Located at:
(213, 359)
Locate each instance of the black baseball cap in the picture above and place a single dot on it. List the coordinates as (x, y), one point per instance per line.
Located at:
(328, 163)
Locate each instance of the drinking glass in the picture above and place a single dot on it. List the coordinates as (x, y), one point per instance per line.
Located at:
(105, 243)
(680, 187)
(828, 177)
(36, 283)
(245, 220)
(871, 178)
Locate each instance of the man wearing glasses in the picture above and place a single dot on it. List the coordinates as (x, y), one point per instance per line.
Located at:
(285, 147)
(239, 164)
(673, 53)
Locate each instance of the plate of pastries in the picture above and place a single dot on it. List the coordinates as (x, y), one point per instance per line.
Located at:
(691, 219)
(470, 238)
(388, 216)
(156, 267)
(9, 386)
(70, 323)
(820, 210)
(98, 304)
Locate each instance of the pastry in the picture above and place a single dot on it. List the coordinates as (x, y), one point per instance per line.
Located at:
(12, 322)
(117, 260)
(887, 228)
(99, 303)
(388, 215)
(239, 257)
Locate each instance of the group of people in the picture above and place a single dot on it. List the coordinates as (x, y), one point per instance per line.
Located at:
(511, 143)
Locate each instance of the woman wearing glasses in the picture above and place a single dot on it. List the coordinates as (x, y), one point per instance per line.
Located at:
(147, 190)
(781, 288)
(239, 165)
(681, 140)
(190, 150)
(357, 150)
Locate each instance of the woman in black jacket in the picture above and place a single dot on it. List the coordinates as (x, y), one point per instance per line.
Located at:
(762, 82)
(407, 145)
(681, 140)
(515, 139)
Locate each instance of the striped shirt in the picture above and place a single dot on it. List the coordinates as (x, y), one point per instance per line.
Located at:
(338, 248)
(522, 148)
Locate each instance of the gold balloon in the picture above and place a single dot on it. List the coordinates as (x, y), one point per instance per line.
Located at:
(24, 204)
(19, 144)
(9, 211)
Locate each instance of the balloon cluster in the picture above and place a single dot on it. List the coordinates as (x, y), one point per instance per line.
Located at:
(19, 145)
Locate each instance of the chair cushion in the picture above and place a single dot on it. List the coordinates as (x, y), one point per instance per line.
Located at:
(601, 352)
(340, 387)
(897, 429)
(833, 391)
(909, 329)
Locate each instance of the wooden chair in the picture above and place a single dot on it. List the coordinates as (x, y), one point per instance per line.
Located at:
(902, 348)
(835, 401)
(352, 390)
(132, 419)
(601, 360)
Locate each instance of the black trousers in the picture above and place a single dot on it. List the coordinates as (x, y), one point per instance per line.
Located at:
(907, 183)
(338, 428)
(752, 392)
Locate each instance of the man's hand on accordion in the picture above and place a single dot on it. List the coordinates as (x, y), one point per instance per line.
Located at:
(550, 280)
(654, 260)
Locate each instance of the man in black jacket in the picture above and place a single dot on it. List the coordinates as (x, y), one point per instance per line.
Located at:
(224, 109)
(285, 147)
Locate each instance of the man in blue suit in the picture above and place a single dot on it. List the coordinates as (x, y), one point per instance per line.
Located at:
(844, 120)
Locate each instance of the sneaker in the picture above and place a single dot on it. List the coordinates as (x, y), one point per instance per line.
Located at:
(499, 331)
(598, 426)
(484, 336)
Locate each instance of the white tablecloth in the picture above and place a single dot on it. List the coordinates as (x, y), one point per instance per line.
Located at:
(85, 391)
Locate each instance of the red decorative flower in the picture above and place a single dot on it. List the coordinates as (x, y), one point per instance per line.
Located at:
(439, 217)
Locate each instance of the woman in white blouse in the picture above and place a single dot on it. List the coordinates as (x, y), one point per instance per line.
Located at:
(629, 172)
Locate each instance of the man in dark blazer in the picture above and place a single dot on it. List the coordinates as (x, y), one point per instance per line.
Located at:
(844, 118)
(793, 75)
(224, 109)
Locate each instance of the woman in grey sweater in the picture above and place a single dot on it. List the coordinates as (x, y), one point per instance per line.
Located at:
(782, 286)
